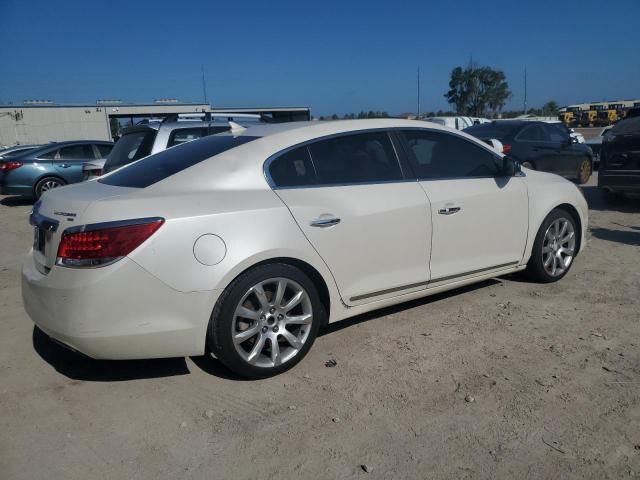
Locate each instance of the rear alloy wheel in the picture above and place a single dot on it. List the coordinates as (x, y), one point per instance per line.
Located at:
(584, 172)
(554, 248)
(48, 183)
(266, 321)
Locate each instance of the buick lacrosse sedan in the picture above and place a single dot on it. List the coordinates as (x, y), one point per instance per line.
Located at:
(244, 244)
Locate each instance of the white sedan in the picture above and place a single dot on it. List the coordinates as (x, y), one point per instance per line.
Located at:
(244, 244)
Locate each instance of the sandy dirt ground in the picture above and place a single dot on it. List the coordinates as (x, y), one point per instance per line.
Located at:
(505, 379)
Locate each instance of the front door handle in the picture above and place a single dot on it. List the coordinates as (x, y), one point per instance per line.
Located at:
(324, 222)
(64, 165)
(449, 210)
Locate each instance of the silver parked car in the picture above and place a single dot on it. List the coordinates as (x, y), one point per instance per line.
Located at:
(151, 137)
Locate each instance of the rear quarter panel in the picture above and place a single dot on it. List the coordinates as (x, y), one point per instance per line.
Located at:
(254, 225)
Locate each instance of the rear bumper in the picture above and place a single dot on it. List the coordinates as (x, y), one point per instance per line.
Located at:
(117, 312)
(619, 182)
(12, 184)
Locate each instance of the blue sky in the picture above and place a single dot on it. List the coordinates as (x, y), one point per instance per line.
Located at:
(334, 56)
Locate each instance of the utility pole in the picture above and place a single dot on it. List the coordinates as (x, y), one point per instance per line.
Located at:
(525, 90)
(204, 84)
(418, 114)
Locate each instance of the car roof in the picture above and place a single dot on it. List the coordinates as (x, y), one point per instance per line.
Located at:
(242, 166)
(36, 151)
(310, 127)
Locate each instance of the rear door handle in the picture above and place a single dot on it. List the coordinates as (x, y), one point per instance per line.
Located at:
(64, 165)
(449, 210)
(324, 222)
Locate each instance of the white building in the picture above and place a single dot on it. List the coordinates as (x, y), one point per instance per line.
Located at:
(43, 121)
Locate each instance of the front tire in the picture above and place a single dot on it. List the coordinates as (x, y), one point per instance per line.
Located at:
(554, 248)
(265, 321)
(584, 172)
(47, 183)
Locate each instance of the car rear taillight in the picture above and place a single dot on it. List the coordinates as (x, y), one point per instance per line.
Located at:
(102, 244)
(506, 148)
(8, 166)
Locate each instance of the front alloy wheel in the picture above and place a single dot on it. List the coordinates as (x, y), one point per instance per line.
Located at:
(584, 172)
(265, 321)
(558, 247)
(554, 248)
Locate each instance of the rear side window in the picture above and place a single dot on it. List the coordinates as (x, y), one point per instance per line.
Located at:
(556, 134)
(355, 158)
(76, 152)
(104, 150)
(534, 133)
(131, 147)
(183, 135)
(169, 162)
(292, 169)
(441, 155)
(49, 155)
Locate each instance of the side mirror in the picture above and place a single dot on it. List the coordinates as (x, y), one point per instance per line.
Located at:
(510, 166)
(573, 140)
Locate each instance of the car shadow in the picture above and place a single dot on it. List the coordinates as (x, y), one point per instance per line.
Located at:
(79, 367)
(618, 236)
(17, 201)
(212, 366)
(597, 201)
(365, 317)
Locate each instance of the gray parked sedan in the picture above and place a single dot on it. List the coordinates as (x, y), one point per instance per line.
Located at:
(35, 171)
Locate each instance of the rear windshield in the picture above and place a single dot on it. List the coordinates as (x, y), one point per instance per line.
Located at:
(497, 130)
(169, 162)
(131, 147)
(14, 153)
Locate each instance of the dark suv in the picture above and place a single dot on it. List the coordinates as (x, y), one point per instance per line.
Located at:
(620, 158)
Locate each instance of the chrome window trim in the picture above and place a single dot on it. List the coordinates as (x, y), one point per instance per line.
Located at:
(267, 163)
(434, 280)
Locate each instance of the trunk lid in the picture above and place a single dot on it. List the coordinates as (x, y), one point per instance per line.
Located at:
(60, 209)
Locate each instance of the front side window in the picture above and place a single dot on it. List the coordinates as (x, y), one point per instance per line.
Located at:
(441, 155)
(355, 158)
(292, 169)
(534, 133)
(556, 134)
(104, 150)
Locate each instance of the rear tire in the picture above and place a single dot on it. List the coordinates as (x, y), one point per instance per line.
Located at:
(554, 248)
(610, 196)
(47, 183)
(265, 321)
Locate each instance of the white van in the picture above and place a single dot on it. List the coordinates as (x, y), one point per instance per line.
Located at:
(459, 123)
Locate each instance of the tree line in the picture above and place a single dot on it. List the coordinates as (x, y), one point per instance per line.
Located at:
(474, 91)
